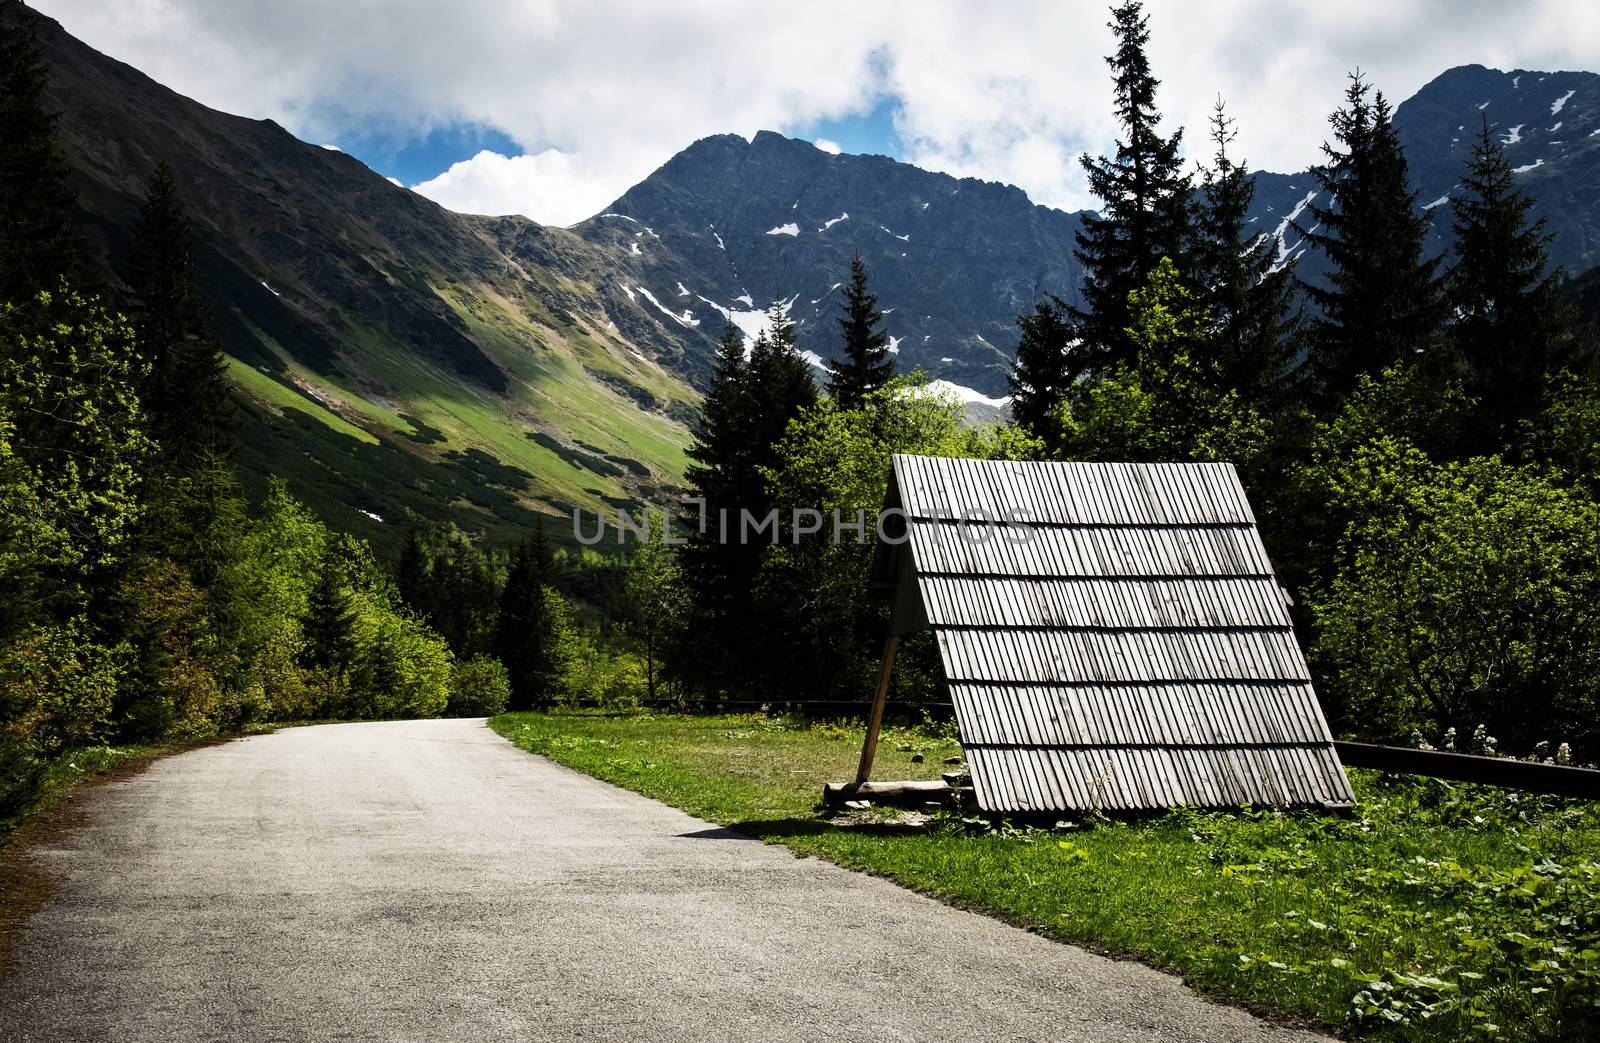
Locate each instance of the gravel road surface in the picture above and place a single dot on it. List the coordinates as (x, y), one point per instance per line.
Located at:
(425, 880)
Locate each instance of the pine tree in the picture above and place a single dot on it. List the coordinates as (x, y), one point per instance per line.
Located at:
(523, 634)
(1249, 296)
(1511, 323)
(186, 392)
(780, 382)
(1042, 373)
(1382, 303)
(411, 575)
(721, 446)
(1144, 195)
(867, 365)
(746, 411)
(330, 619)
(39, 246)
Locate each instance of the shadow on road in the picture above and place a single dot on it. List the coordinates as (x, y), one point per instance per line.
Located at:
(783, 828)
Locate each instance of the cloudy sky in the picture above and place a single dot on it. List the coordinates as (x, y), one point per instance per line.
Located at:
(552, 108)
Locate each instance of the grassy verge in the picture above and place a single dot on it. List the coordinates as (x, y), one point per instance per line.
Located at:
(1435, 912)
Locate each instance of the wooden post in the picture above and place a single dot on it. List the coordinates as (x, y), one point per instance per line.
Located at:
(869, 749)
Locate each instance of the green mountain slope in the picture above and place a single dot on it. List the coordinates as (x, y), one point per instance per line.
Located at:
(394, 358)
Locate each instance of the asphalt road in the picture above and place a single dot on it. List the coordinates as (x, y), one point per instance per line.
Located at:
(428, 881)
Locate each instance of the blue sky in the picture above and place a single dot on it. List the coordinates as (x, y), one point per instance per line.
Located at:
(554, 108)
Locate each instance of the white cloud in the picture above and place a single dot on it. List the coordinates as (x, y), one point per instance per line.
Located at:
(600, 92)
(395, 182)
(830, 147)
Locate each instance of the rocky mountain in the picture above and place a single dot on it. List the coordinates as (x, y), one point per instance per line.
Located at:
(394, 358)
(1549, 123)
(727, 225)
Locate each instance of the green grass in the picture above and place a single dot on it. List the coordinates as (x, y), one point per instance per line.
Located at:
(1435, 912)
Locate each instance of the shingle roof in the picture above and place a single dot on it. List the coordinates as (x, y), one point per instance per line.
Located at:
(1120, 643)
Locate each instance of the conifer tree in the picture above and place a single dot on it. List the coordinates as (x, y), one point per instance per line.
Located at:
(186, 391)
(411, 575)
(1042, 373)
(1381, 304)
(39, 246)
(1511, 325)
(780, 382)
(1249, 296)
(721, 447)
(523, 634)
(867, 365)
(330, 620)
(746, 411)
(1144, 196)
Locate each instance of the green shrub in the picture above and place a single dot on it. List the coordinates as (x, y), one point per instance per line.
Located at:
(479, 687)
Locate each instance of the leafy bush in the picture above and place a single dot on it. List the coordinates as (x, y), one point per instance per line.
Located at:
(1468, 596)
(479, 687)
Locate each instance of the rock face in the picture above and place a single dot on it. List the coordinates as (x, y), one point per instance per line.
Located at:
(728, 225)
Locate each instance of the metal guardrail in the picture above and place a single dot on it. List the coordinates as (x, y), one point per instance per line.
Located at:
(1464, 767)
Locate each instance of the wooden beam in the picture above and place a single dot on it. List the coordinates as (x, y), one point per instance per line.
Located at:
(869, 749)
(1464, 767)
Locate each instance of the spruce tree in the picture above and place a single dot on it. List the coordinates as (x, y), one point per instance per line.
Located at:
(1511, 324)
(411, 575)
(1144, 196)
(1248, 295)
(330, 619)
(746, 411)
(867, 365)
(1042, 374)
(1381, 304)
(523, 637)
(780, 382)
(39, 246)
(720, 451)
(186, 392)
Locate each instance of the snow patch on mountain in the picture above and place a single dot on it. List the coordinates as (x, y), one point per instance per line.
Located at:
(830, 222)
(964, 394)
(815, 359)
(1485, 105)
(1527, 167)
(718, 238)
(625, 217)
(1441, 201)
(1555, 128)
(633, 248)
(686, 319)
(1560, 103)
(1513, 135)
(902, 238)
(788, 229)
(749, 302)
(894, 346)
(683, 291)
(1283, 230)
(270, 290)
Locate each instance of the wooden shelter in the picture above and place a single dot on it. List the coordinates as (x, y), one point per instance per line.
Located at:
(1113, 635)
